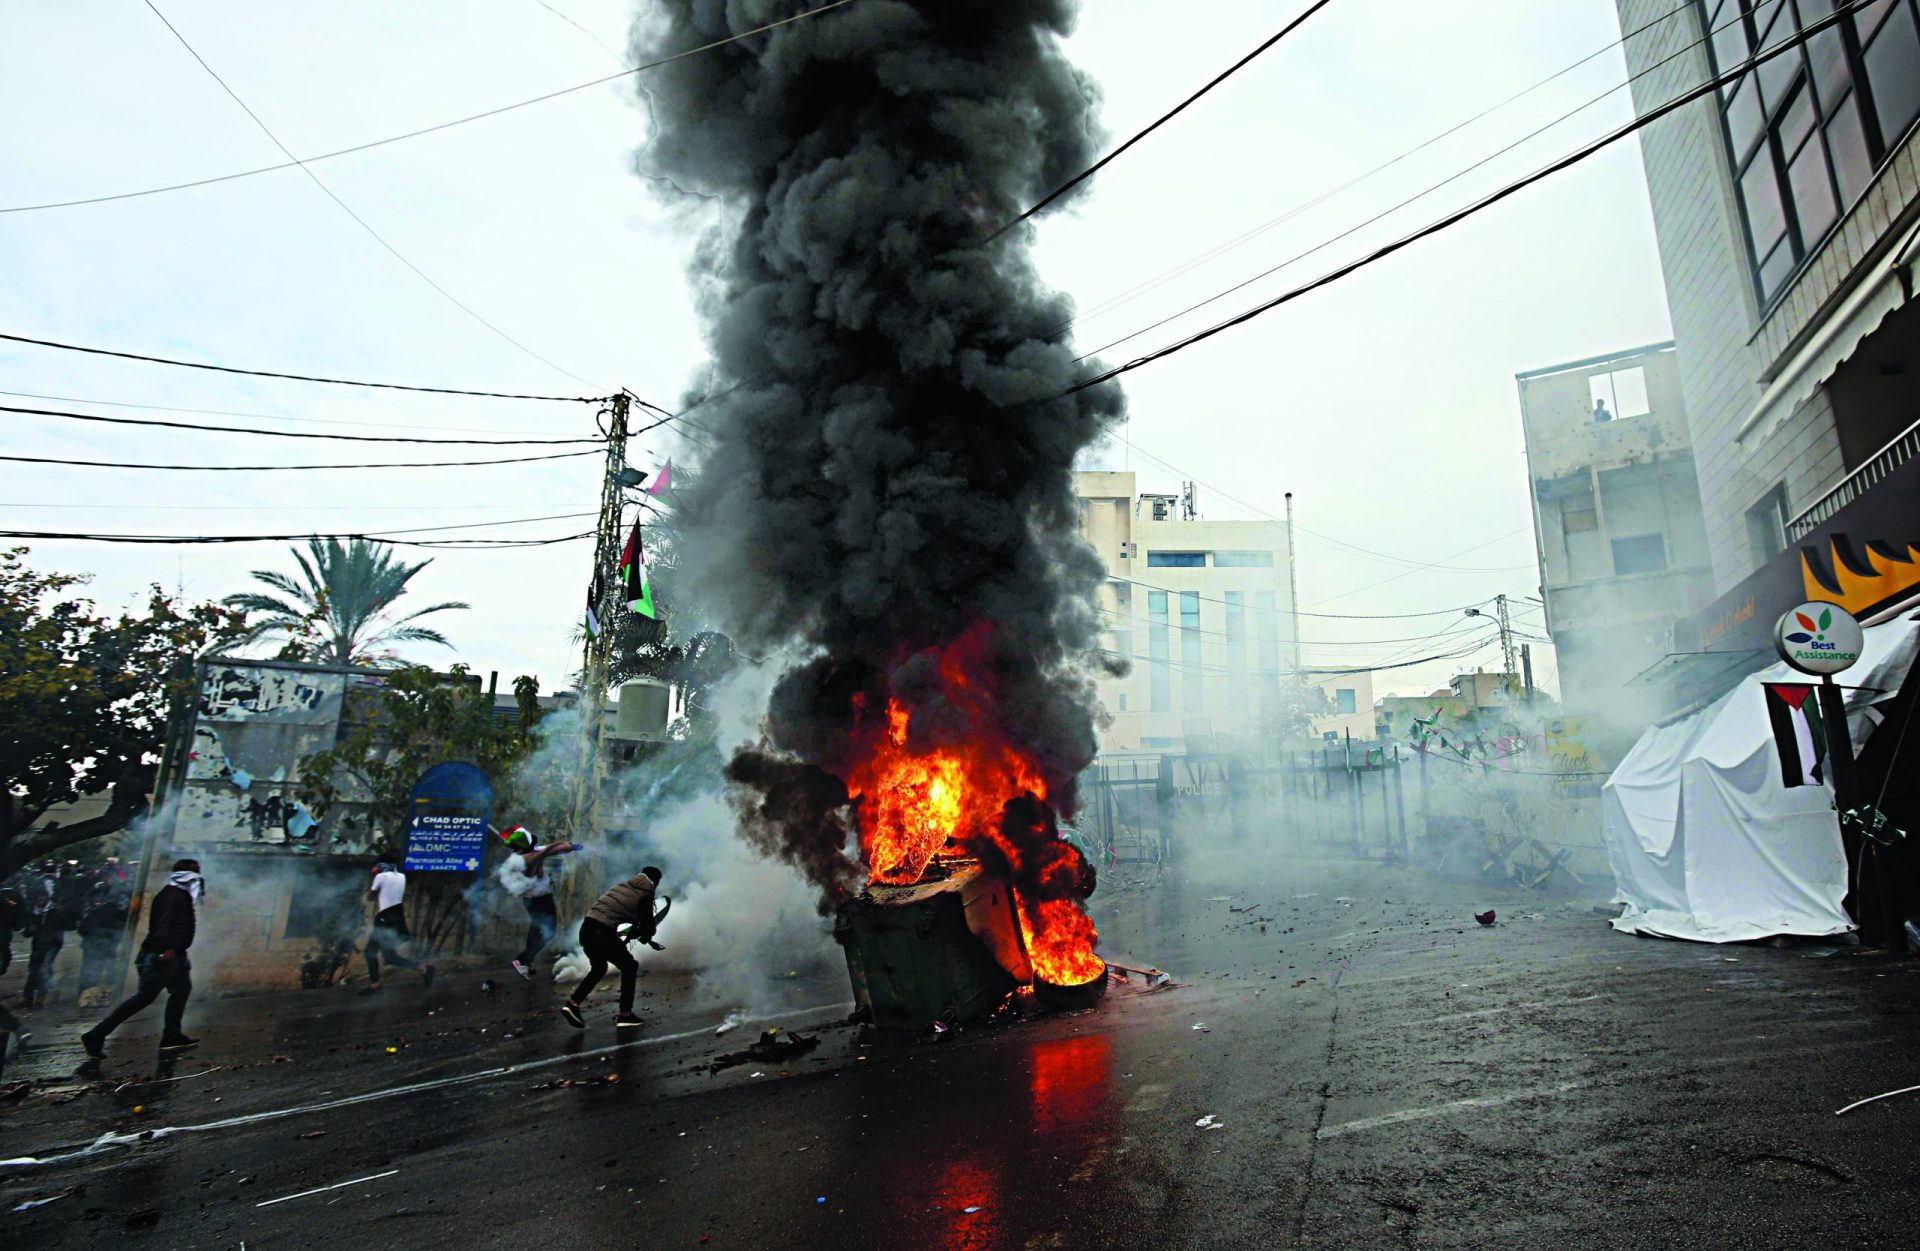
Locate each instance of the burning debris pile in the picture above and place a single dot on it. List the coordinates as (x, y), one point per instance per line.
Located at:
(888, 489)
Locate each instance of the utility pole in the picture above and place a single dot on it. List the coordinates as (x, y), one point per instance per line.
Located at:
(1293, 588)
(1509, 662)
(583, 817)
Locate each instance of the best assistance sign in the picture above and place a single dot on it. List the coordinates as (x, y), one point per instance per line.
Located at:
(448, 814)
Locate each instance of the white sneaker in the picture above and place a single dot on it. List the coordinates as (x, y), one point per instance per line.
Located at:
(524, 970)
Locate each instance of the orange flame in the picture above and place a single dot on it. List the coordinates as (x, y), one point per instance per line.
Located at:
(1060, 939)
(912, 806)
(916, 802)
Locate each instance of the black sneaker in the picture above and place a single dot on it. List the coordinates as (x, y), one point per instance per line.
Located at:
(571, 1011)
(524, 970)
(626, 1020)
(178, 1042)
(94, 1044)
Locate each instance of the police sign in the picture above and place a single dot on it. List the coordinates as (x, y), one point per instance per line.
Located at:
(1818, 638)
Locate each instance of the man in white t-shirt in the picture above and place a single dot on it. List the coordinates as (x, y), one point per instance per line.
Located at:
(389, 933)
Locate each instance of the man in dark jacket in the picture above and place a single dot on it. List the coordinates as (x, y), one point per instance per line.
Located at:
(162, 961)
(13, 919)
(628, 906)
(51, 921)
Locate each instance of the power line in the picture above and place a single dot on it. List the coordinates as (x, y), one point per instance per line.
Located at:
(230, 412)
(192, 540)
(1341, 616)
(1173, 663)
(427, 130)
(428, 464)
(1172, 626)
(1222, 249)
(1158, 122)
(1399, 560)
(268, 373)
(1407, 573)
(346, 208)
(1417, 196)
(1580, 154)
(279, 434)
(618, 59)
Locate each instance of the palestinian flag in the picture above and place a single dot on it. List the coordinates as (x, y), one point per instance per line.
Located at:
(1799, 734)
(595, 594)
(633, 576)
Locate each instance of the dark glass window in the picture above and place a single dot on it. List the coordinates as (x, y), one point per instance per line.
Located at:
(1812, 185)
(1643, 553)
(1193, 687)
(1176, 560)
(1893, 68)
(1852, 163)
(1159, 678)
(1804, 136)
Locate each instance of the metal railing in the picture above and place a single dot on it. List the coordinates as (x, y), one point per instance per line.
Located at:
(1904, 447)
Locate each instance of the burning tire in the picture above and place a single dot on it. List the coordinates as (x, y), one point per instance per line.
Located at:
(1070, 998)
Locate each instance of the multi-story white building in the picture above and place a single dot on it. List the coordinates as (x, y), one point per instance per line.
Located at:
(1787, 209)
(1617, 520)
(1201, 609)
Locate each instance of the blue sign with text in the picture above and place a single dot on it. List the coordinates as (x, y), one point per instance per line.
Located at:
(448, 814)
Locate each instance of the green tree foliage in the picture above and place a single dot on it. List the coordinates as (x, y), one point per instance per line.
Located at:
(85, 700)
(337, 611)
(423, 718)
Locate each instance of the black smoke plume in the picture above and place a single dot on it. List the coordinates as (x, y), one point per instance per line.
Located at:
(887, 466)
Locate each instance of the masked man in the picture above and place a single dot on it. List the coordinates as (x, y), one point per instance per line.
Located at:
(162, 962)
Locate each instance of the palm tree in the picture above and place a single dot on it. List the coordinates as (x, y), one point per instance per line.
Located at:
(336, 611)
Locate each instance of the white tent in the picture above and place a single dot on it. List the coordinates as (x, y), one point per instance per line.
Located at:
(1705, 842)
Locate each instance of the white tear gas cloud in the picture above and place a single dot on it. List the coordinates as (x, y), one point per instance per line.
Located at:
(739, 921)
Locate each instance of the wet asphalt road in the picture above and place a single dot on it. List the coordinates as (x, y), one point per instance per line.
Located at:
(1385, 1073)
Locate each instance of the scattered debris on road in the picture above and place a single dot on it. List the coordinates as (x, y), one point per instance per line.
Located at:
(772, 1045)
(1485, 918)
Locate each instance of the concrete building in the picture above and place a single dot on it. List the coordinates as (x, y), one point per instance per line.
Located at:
(1349, 706)
(1617, 521)
(1787, 209)
(1201, 609)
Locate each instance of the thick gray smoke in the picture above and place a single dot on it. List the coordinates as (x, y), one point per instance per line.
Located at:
(888, 464)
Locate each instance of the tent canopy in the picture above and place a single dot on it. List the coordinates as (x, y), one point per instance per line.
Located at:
(1705, 841)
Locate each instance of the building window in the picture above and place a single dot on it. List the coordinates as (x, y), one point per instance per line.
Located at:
(1264, 624)
(1243, 560)
(1193, 687)
(1176, 560)
(1619, 395)
(1159, 680)
(1236, 651)
(1123, 701)
(1767, 525)
(1344, 700)
(1807, 128)
(1643, 553)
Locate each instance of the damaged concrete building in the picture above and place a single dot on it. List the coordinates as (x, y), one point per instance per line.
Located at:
(1618, 527)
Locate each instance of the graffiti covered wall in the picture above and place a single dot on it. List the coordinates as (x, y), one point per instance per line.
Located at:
(255, 722)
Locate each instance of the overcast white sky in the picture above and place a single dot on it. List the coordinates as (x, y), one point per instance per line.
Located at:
(1385, 403)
